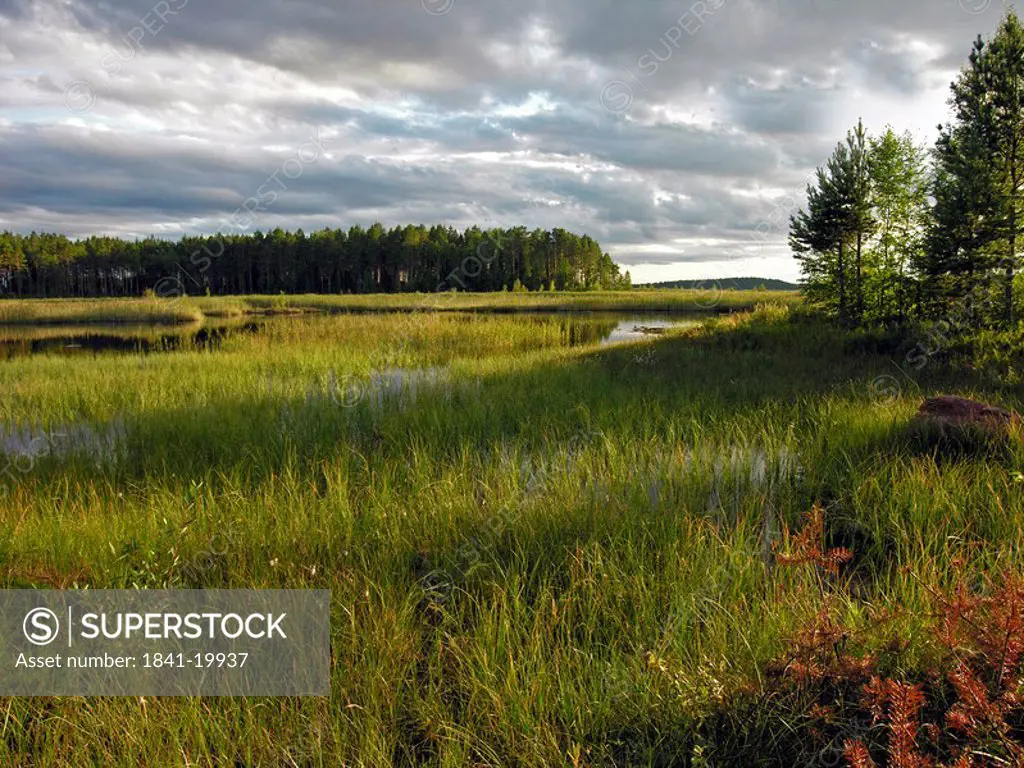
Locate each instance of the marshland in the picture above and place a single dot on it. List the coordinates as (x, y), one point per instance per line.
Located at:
(565, 517)
(542, 547)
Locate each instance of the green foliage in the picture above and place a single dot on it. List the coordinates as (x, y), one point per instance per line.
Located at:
(912, 255)
(374, 260)
(862, 228)
(980, 174)
(899, 189)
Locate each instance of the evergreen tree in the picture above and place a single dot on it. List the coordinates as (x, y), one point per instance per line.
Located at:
(957, 258)
(408, 258)
(1005, 80)
(835, 216)
(979, 187)
(872, 195)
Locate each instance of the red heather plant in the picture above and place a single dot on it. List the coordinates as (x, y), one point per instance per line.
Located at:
(983, 637)
(979, 635)
(807, 547)
(820, 654)
(819, 650)
(902, 703)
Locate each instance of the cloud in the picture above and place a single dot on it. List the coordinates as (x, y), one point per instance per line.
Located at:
(165, 117)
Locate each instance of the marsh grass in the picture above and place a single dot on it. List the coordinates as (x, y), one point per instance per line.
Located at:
(68, 311)
(556, 555)
(713, 299)
(147, 331)
(190, 309)
(220, 306)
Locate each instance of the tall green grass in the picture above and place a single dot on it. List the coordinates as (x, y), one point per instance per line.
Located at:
(67, 311)
(694, 301)
(195, 308)
(552, 555)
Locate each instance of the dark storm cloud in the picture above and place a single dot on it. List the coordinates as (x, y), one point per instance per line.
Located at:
(13, 8)
(487, 112)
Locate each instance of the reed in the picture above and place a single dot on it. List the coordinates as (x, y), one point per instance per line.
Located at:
(539, 554)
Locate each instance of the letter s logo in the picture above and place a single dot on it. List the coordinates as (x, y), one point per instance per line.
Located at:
(41, 626)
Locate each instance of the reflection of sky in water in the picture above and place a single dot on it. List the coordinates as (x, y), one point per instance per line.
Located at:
(378, 387)
(639, 327)
(24, 445)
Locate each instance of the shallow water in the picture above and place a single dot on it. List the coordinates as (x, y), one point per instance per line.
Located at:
(606, 328)
(91, 340)
(22, 446)
(378, 387)
(578, 329)
(641, 327)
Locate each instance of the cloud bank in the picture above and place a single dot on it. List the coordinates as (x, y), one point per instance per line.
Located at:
(676, 134)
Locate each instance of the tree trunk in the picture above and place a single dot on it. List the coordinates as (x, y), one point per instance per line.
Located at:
(860, 284)
(1010, 262)
(842, 285)
(901, 294)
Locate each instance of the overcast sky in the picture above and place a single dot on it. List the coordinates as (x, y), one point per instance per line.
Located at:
(674, 133)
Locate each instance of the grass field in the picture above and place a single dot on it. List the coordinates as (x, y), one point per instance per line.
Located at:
(538, 554)
(189, 309)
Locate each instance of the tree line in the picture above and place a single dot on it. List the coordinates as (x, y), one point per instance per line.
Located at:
(357, 260)
(893, 229)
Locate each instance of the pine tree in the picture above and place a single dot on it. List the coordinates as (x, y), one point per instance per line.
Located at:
(979, 187)
(815, 240)
(957, 258)
(1005, 78)
(838, 214)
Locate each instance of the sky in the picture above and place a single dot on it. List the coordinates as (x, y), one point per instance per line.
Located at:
(680, 135)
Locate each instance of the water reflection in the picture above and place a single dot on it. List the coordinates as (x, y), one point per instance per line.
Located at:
(643, 326)
(23, 445)
(577, 329)
(400, 385)
(605, 328)
(91, 340)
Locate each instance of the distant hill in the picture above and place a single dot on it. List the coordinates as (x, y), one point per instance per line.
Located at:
(729, 283)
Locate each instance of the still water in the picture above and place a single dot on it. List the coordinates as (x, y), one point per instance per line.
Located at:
(578, 329)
